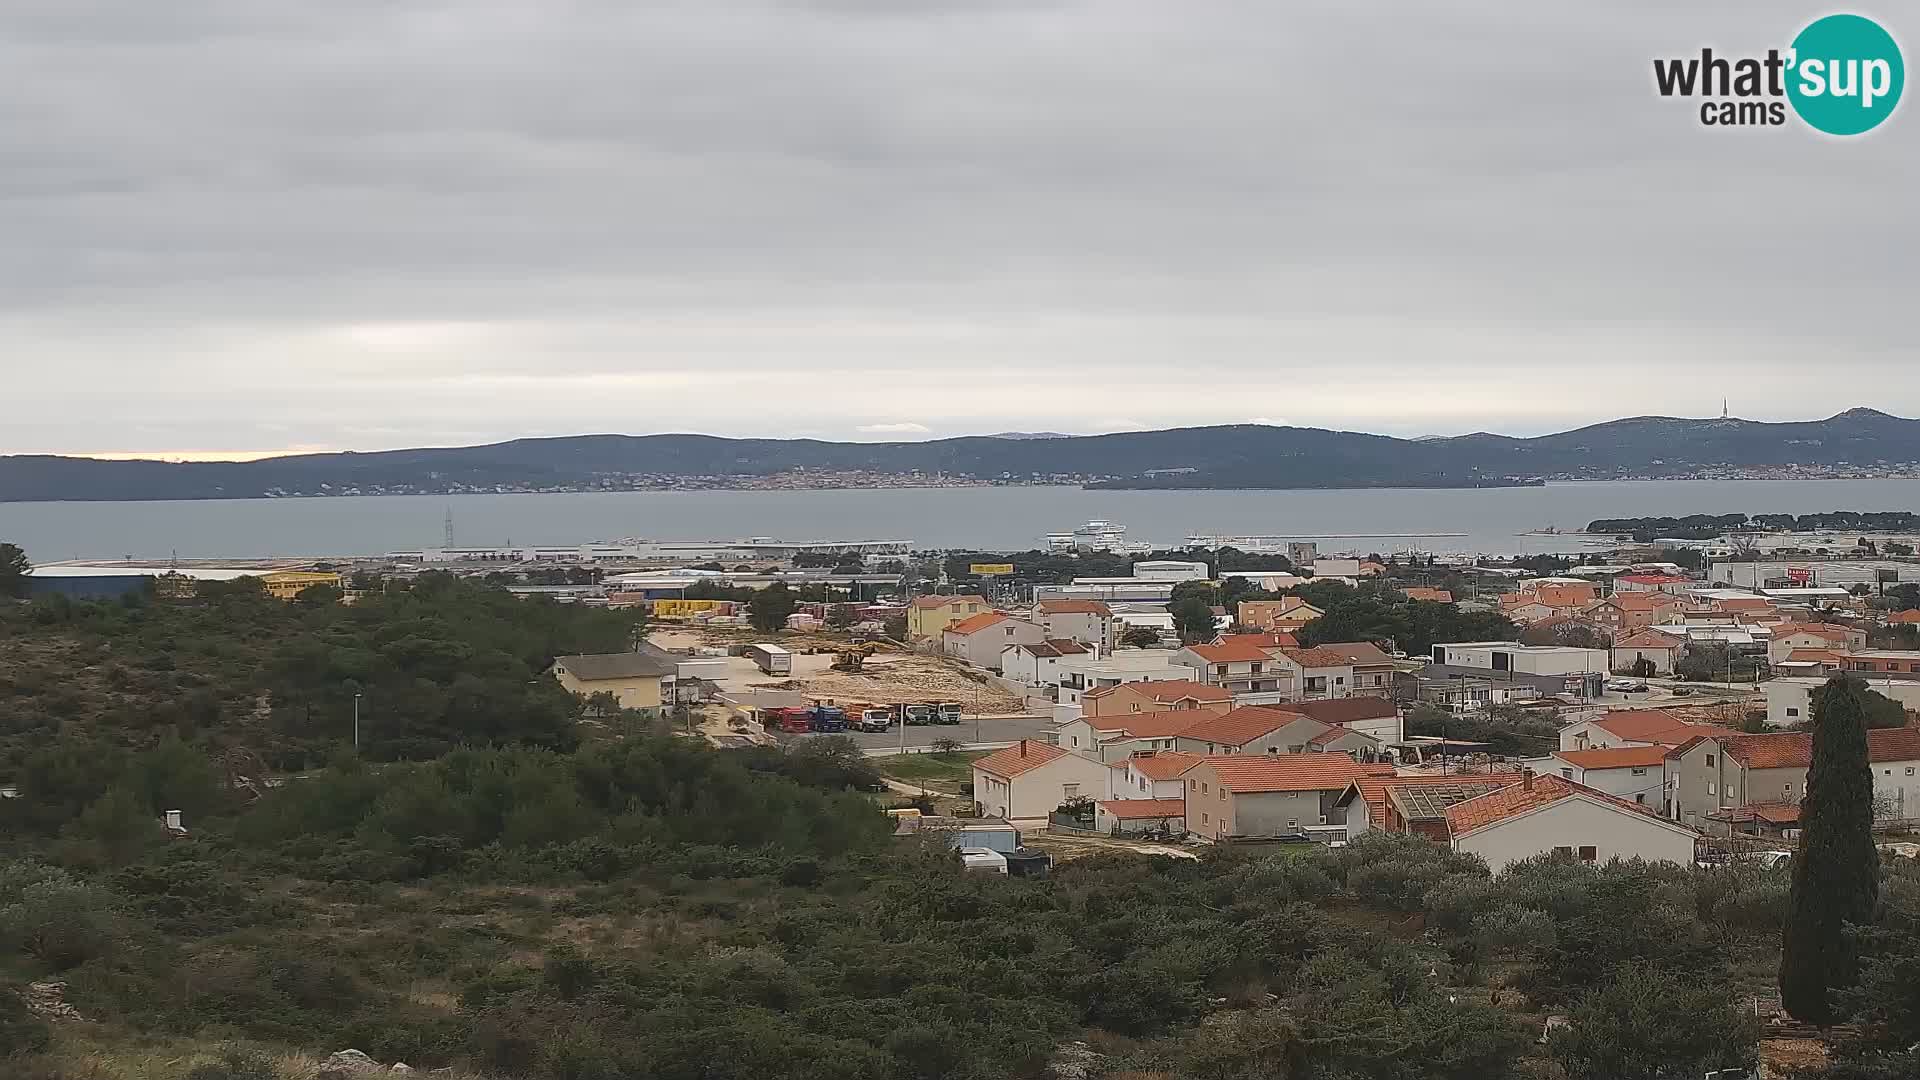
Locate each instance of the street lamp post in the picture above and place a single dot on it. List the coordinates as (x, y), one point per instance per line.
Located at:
(356, 721)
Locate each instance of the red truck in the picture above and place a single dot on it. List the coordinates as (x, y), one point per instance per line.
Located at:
(793, 721)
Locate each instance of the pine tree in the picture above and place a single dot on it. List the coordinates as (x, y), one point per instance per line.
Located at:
(1836, 871)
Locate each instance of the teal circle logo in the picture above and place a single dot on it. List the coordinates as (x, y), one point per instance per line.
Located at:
(1846, 74)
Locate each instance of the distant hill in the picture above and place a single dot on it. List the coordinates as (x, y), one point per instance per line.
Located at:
(1232, 456)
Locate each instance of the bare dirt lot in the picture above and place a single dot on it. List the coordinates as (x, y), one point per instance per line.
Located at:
(891, 677)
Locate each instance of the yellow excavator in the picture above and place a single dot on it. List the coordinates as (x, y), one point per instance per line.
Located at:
(853, 658)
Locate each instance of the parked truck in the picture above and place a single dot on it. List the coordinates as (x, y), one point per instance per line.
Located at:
(771, 659)
(949, 712)
(919, 714)
(875, 718)
(793, 721)
(827, 719)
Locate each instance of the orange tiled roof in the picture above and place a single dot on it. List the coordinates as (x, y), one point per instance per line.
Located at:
(1903, 617)
(1148, 725)
(1421, 592)
(1239, 727)
(1373, 789)
(1341, 711)
(1653, 726)
(1230, 651)
(1356, 652)
(1022, 757)
(1643, 601)
(1164, 690)
(1072, 607)
(973, 624)
(1159, 764)
(1616, 757)
(1794, 749)
(1648, 639)
(1516, 799)
(1319, 657)
(1137, 809)
(1814, 656)
(1246, 774)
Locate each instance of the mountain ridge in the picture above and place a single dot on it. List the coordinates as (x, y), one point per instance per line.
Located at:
(1220, 456)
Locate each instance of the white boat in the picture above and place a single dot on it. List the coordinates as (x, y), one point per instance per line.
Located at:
(1096, 535)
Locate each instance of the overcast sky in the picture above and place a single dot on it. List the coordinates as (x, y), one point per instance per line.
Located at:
(249, 225)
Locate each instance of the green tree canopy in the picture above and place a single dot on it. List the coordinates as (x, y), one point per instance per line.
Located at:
(14, 569)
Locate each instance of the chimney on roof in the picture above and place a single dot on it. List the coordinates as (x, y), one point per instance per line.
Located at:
(1526, 779)
(1023, 748)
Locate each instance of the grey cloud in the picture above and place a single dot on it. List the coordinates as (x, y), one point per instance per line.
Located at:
(255, 223)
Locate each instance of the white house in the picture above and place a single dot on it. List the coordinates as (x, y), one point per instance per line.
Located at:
(1542, 814)
(1656, 648)
(1030, 779)
(1088, 622)
(1039, 664)
(979, 640)
(1790, 700)
(1523, 659)
(1149, 775)
(1632, 727)
(1633, 773)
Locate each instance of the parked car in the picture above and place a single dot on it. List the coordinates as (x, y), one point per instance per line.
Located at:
(1681, 691)
(1626, 686)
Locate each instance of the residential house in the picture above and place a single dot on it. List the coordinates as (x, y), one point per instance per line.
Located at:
(1149, 774)
(1039, 664)
(1830, 636)
(1371, 671)
(1432, 596)
(1121, 817)
(1255, 795)
(1156, 695)
(1327, 671)
(1790, 698)
(1114, 738)
(1376, 717)
(1089, 622)
(929, 616)
(642, 680)
(1030, 779)
(1734, 771)
(1082, 675)
(1414, 805)
(1357, 744)
(981, 639)
(1632, 727)
(1287, 614)
(1904, 618)
(1542, 814)
(1250, 730)
(1667, 583)
(1809, 663)
(1633, 773)
(1902, 662)
(1652, 646)
(1523, 610)
(1240, 667)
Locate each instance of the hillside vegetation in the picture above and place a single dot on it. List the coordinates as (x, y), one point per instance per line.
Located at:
(527, 904)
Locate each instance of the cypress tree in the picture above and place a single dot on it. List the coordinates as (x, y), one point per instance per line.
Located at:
(1836, 871)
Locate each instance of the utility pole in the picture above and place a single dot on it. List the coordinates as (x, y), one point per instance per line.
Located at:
(356, 721)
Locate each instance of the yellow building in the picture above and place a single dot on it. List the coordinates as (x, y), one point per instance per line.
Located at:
(929, 616)
(637, 680)
(288, 584)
